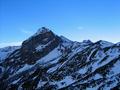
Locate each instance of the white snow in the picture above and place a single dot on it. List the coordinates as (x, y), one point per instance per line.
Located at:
(65, 82)
(14, 82)
(107, 61)
(4, 52)
(115, 69)
(53, 55)
(105, 44)
(1, 70)
(55, 60)
(53, 69)
(3, 55)
(112, 85)
(97, 76)
(87, 41)
(118, 44)
(95, 88)
(26, 67)
(76, 48)
(97, 65)
(91, 88)
(41, 31)
(82, 70)
(100, 55)
(88, 58)
(113, 53)
(41, 83)
(40, 47)
(65, 39)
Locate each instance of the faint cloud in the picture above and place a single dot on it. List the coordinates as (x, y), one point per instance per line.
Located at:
(80, 28)
(10, 44)
(26, 31)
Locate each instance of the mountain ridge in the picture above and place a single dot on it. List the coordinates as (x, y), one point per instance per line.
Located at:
(46, 61)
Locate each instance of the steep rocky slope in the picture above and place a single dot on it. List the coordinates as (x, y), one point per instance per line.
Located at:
(46, 61)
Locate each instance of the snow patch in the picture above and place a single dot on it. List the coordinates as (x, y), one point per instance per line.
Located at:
(41, 83)
(105, 44)
(14, 82)
(26, 67)
(65, 82)
(116, 68)
(53, 69)
(4, 52)
(82, 70)
(97, 76)
(53, 55)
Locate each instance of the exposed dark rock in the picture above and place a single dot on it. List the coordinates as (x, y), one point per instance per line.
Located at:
(46, 61)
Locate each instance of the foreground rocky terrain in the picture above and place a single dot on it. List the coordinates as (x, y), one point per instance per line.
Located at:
(46, 61)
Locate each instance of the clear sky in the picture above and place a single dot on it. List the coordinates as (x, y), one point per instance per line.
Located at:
(76, 19)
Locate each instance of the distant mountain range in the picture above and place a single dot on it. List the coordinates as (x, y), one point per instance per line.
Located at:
(46, 61)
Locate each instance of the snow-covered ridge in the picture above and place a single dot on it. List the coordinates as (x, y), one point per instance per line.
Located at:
(104, 44)
(54, 62)
(4, 52)
(118, 44)
(65, 39)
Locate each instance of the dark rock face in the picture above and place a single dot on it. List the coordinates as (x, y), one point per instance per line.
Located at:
(28, 53)
(47, 39)
(46, 61)
(36, 40)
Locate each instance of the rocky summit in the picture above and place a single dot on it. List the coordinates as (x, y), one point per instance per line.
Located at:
(46, 61)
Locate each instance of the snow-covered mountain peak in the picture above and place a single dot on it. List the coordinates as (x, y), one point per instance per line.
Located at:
(87, 41)
(118, 44)
(104, 44)
(46, 61)
(42, 31)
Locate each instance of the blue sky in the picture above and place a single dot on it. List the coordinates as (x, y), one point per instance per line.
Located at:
(76, 19)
